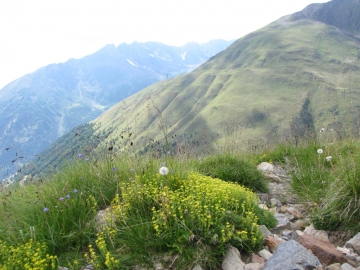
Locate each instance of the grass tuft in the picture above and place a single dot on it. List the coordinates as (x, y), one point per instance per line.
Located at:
(234, 169)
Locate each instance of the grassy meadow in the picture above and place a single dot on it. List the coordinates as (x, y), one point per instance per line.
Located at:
(170, 206)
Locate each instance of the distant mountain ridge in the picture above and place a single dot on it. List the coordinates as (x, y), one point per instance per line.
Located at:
(38, 108)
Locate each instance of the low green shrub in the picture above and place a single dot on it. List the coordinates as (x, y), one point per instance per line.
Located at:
(29, 255)
(234, 169)
(197, 213)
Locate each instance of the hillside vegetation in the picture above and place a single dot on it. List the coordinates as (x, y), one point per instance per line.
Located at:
(174, 204)
(291, 77)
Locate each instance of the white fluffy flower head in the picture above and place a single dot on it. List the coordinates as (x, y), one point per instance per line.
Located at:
(328, 158)
(163, 170)
(320, 151)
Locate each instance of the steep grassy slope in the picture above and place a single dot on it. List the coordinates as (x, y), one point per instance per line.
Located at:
(289, 78)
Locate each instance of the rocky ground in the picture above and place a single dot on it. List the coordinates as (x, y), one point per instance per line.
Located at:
(294, 243)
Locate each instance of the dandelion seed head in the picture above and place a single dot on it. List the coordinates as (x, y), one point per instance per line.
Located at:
(163, 170)
(322, 129)
(328, 158)
(320, 151)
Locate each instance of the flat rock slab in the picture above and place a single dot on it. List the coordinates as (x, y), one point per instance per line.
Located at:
(291, 255)
(324, 251)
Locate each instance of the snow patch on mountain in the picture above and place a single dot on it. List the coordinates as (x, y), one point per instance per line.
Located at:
(132, 63)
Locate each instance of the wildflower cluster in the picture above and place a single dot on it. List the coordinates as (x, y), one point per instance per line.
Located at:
(202, 205)
(92, 257)
(92, 202)
(187, 210)
(142, 193)
(31, 255)
(105, 257)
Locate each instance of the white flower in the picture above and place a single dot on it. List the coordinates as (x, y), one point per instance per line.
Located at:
(320, 151)
(322, 130)
(331, 130)
(328, 158)
(163, 170)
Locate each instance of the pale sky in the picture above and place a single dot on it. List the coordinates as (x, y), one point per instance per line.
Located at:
(35, 33)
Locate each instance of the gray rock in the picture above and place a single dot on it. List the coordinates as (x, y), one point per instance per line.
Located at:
(232, 260)
(319, 234)
(298, 225)
(264, 197)
(334, 266)
(351, 256)
(197, 267)
(294, 235)
(104, 218)
(280, 172)
(354, 243)
(254, 266)
(88, 267)
(265, 254)
(347, 266)
(293, 211)
(287, 234)
(291, 218)
(273, 177)
(291, 255)
(264, 230)
(265, 167)
(283, 224)
(281, 219)
(275, 202)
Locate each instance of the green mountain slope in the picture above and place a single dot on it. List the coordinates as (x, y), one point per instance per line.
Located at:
(289, 78)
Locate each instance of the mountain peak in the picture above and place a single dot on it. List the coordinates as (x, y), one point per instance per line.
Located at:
(343, 14)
